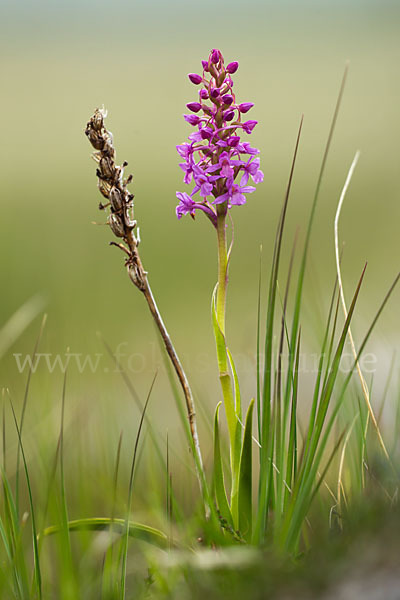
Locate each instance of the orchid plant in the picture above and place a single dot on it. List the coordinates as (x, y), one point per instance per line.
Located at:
(220, 164)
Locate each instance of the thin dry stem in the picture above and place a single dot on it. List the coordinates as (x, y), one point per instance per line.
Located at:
(113, 186)
(340, 487)
(364, 385)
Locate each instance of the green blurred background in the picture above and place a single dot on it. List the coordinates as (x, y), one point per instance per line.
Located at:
(60, 60)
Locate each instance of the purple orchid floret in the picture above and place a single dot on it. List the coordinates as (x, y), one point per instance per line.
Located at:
(187, 206)
(248, 126)
(252, 168)
(216, 159)
(235, 194)
(192, 119)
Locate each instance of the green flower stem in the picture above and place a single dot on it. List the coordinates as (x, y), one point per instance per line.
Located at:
(222, 277)
(223, 362)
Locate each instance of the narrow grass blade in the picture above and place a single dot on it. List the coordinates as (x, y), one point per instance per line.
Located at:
(245, 478)
(258, 341)
(136, 399)
(321, 361)
(364, 385)
(211, 523)
(311, 458)
(135, 530)
(304, 502)
(359, 354)
(21, 423)
(340, 487)
(68, 572)
(332, 419)
(38, 576)
(299, 291)
(130, 490)
(291, 463)
(12, 531)
(386, 389)
(279, 453)
(328, 389)
(109, 574)
(266, 437)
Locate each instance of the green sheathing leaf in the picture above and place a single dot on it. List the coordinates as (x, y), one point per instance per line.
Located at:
(225, 378)
(219, 484)
(245, 478)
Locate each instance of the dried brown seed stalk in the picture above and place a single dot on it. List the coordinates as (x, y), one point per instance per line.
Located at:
(113, 186)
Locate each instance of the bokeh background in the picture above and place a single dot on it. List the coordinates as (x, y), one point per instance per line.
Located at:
(60, 60)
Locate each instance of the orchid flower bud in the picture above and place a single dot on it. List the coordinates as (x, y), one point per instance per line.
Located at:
(232, 67)
(194, 106)
(215, 56)
(245, 107)
(194, 78)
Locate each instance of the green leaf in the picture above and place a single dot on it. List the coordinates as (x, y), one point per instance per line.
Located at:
(291, 463)
(264, 419)
(36, 562)
(223, 375)
(238, 402)
(245, 477)
(301, 492)
(237, 447)
(12, 531)
(136, 530)
(130, 492)
(219, 484)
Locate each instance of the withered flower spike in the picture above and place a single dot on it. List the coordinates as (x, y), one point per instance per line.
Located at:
(110, 182)
(121, 222)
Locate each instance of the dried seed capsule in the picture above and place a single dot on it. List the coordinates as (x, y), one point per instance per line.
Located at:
(97, 156)
(104, 188)
(107, 167)
(108, 147)
(129, 223)
(117, 175)
(116, 199)
(97, 120)
(117, 227)
(94, 138)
